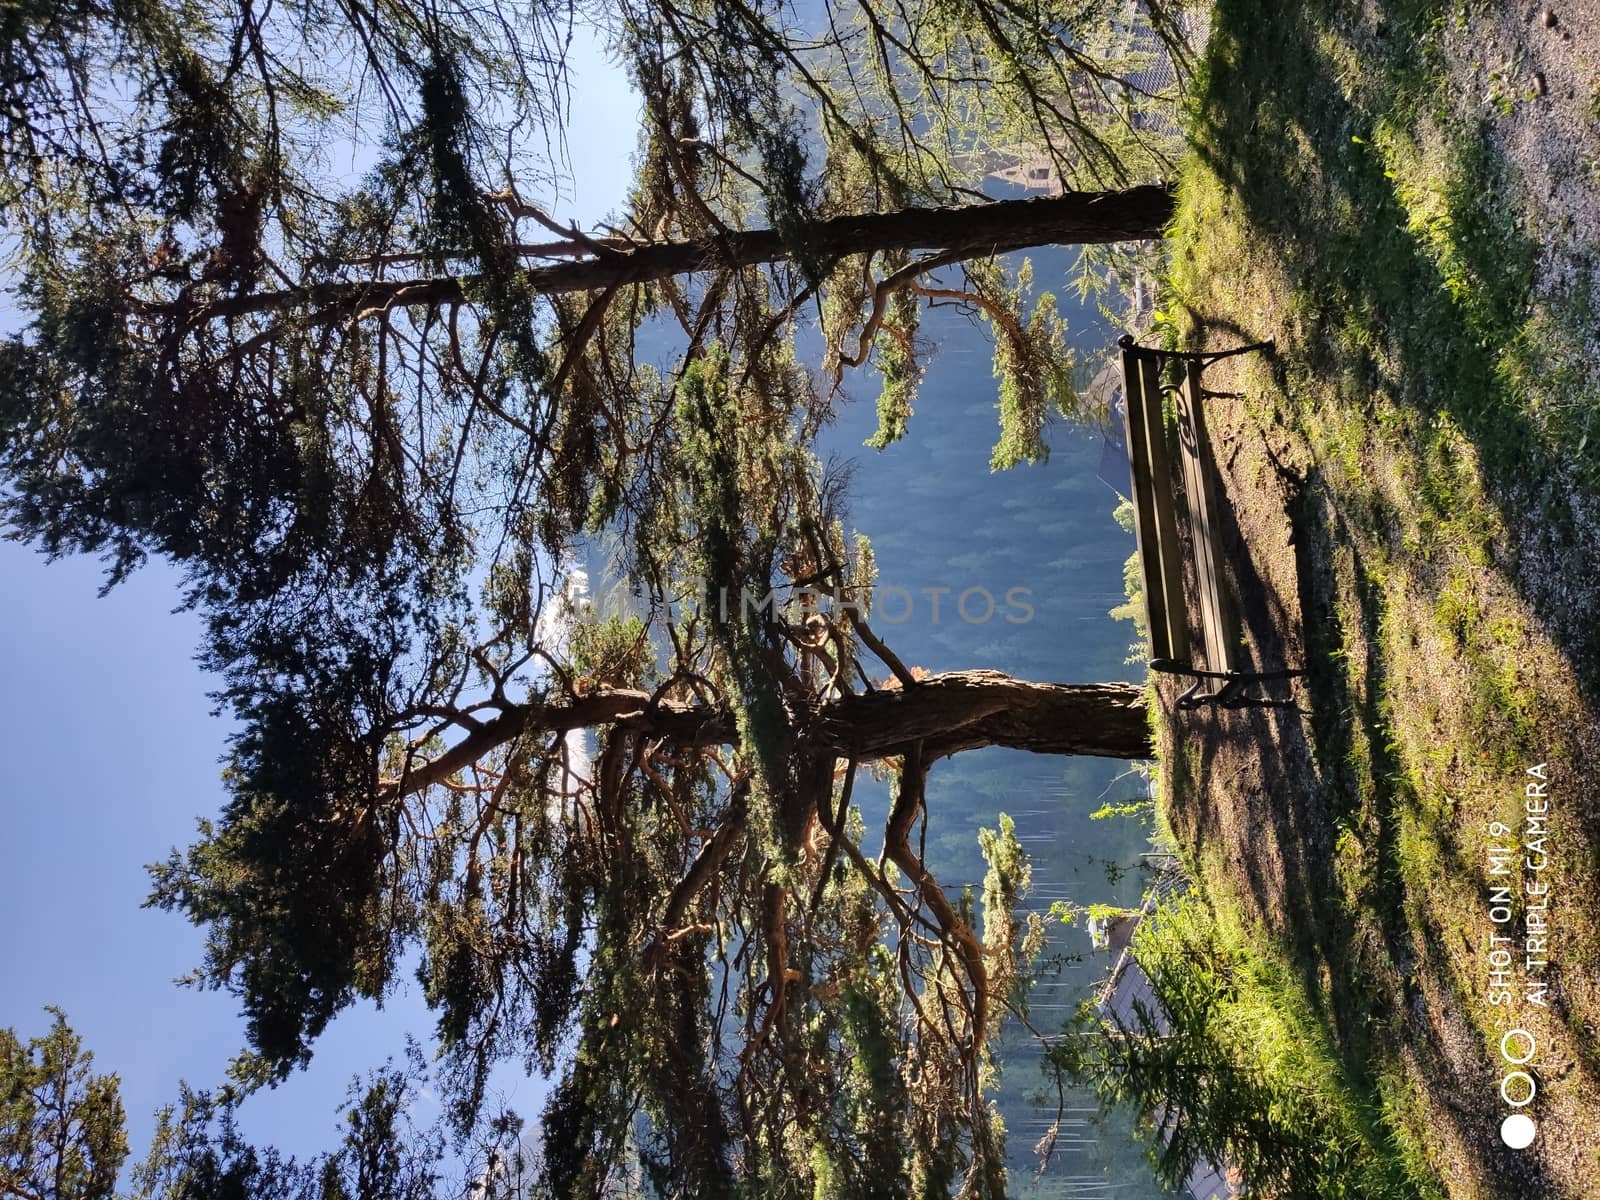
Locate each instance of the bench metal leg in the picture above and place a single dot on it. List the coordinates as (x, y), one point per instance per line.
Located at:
(1229, 694)
(1208, 359)
(1168, 666)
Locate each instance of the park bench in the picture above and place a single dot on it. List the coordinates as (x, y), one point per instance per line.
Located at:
(1221, 670)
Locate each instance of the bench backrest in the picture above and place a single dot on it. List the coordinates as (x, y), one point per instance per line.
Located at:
(1155, 514)
(1155, 521)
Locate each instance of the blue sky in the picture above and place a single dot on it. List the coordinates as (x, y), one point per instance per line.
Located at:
(114, 754)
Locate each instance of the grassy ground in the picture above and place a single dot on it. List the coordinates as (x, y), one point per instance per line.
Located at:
(1291, 1124)
(1399, 194)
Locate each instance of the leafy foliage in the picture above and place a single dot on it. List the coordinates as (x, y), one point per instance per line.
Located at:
(62, 1136)
(60, 1124)
(1231, 1067)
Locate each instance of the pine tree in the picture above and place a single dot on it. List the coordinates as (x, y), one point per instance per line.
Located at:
(373, 423)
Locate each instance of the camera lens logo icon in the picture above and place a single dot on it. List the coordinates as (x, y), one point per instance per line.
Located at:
(1517, 1131)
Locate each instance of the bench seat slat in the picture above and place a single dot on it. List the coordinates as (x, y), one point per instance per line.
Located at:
(1219, 618)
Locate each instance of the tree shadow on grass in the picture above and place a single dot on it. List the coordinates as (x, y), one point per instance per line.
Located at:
(1372, 310)
(1275, 788)
(1275, 128)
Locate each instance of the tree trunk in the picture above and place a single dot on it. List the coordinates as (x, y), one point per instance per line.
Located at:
(964, 710)
(949, 713)
(971, 231)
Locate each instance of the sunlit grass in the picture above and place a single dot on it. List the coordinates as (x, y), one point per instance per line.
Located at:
(1339, 202)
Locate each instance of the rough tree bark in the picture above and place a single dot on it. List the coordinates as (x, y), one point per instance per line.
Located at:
(964, 710)
(948, 713)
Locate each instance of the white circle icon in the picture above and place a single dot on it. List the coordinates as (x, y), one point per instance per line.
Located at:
(1517, 1131)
